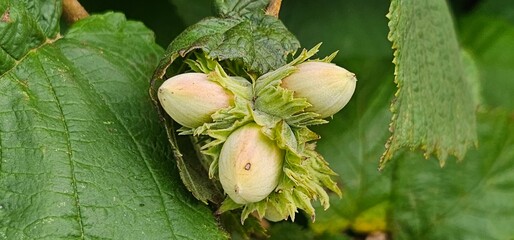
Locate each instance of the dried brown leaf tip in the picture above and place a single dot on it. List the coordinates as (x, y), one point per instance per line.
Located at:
(6, 17)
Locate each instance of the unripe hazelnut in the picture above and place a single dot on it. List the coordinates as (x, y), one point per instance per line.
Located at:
(273, 215)
(191, 98)
(326, 86)
(250, 165)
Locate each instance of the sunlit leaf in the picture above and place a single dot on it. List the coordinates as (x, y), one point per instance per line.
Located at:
(434, 107)
(82, 152)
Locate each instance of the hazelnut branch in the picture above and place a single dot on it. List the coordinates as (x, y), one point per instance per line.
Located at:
(72, 11)
(273, 8)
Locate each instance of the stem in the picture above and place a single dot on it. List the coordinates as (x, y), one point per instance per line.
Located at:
(274, 8)
(72, 11)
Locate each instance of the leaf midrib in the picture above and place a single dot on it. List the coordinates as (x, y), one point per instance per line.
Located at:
(69, 151)
(31, 51)
(133, 139)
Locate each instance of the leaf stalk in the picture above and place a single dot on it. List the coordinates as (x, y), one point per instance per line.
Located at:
(73, 11)
(273, 8)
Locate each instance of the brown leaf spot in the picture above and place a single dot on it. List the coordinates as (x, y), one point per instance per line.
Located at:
(6, 17)
(248, 166)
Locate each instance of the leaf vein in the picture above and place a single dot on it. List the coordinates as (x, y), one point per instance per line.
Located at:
(141, 154)
(46, 42)
(69, 148)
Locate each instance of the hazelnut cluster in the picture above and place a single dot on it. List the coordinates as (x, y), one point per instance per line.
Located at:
(256, 130)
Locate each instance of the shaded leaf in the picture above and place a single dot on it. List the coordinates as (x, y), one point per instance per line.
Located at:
(192, 13)
(240, 8)
(472, 76)
(503, 9)
(489, 41)
(25, 25)
(192, 167)
(161, 16)
(82, 152)
(289, 231)
(252, 229)
(467, 200)
(340, 25)
(433, 109)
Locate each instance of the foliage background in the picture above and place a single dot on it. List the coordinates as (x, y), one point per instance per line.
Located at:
(412, 198)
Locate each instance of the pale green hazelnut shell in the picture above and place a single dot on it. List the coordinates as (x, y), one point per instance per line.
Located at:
(326, 86)
(273, 215)
(250, 165)
(191, 98)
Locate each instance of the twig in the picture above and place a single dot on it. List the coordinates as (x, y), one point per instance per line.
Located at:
(72, 11)
(273, 8)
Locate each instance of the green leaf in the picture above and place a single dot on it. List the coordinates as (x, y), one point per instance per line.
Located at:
(289, 231)
(340, 25)
(472, 76)
(192, 13)
(467, 200)
(82, 151)
(192, 168)
(25, 25)
(433, 109)
(252, 229)
(262, 45)
(240, 8)
(489, 41)
(160, 16)
(503, 9)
